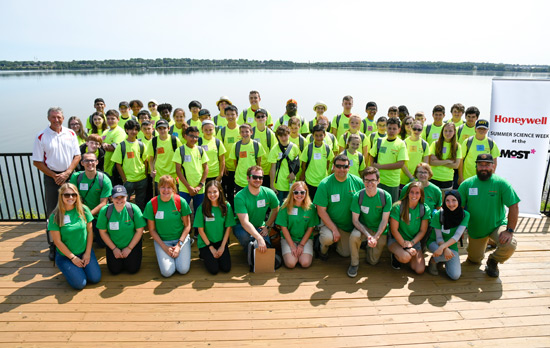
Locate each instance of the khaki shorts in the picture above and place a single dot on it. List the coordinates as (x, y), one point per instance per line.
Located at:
(285, 248)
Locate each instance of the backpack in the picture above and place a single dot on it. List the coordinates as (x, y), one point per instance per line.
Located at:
(218, 142)
(380, 194)
(422, 210)
(310, 152)
(238, 150)
(373, 134)
(361, 157)
(361, 135)
(182, 154)
(471, 140)
(155, 203)
(99, 179)
(123, 149)
(267, 135)
(378, 144)
(282, 120)
(111, 206)
(154, 142)
(292, 166)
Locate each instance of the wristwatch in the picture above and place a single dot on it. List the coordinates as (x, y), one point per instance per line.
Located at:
(180, 243)
(511, 230)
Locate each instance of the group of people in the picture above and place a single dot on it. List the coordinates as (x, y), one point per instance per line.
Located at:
(344, 184)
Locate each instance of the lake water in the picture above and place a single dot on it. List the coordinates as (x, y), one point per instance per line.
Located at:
(26, 96)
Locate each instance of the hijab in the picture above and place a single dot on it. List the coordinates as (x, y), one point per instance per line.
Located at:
(453, 218)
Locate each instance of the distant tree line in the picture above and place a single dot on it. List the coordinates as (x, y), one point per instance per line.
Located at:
(260, 64)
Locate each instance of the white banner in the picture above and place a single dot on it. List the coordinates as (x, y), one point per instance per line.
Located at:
(520, 126)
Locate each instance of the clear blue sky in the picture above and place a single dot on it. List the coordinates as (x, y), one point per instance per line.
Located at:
(321, 30)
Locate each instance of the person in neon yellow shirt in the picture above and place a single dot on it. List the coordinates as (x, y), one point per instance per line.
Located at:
(457, 110)
(432, 131)
(354, 126)
(99, 106)
(152, 105)
(247, 115)
(75, 124)
(406, 129)
(480, 143)
(316, 159)
(111, 138)
(389, 158)
(131, 165)
(381, 124)
(229, 135)
(292, 111)
(250, 153)
(468, 129)
(219, 120)
(160, 156)
(179, 126)
(282, 173)
(419, 151)
(266, 137)
(136, 105)
(214, 149)
(204, 115)
(445, 155)
(123, 107)
(320, 108)
(330, 139)
(420, 117)
(356, 158)
(99, 124)
(393, 112)
(191, 168)
(370, 124)
(165, 110)
(144, 116)
(340, 122)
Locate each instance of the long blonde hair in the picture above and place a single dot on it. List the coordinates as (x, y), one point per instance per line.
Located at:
(59, 211)
(289, 201)
(405, 202)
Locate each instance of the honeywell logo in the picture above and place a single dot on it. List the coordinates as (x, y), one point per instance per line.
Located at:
(521, 120)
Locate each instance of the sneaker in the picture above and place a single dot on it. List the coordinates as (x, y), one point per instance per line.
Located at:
(352, 271)
(432, 267)
(492, 268)
(394, 263)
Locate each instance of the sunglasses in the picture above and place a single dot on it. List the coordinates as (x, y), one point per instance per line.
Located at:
(299, 192)
(70, 195)
(257, 177)
(408, 123)
(261, 116)
(342, 166)
(417, 129)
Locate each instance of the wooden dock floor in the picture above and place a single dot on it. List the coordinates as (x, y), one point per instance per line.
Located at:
(316, 307)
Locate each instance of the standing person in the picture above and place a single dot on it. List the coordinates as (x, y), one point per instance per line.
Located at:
(130, 158)
(292, 111)
(354, 128)
(99, 106)
(165, 110)
(295, 137)
(420, 117)
(266, 137)
(214, 149)
(468, 128)
(76, 125)
(433, 130)
(388, 155)
(409, 219)
(169, 224)
(340, 122)
(114, 136)
(474, 146)
(457, 110)
(93, 145)
(393, 112)
(333, 201)
(94, 188)
(244, 154)
(136, 105)
(214, 220)
(320, 108)
(485, 196)
(445, 155)
(229, 135)
(403, 112)
(191, 168)
(219, 120)
(381, 127)
(418, 150)
(330, 139)
(370, 212)
(316, 159)
(251, 206)
(284, 160)
(144, 118)
(71, 227)
(448, 224)
(179, 126)
(123, 107)
(152, 105)
(121, 227)
(99, 124)
(297, 218)
(195, 108)
(160, 152)
(369, 123)
(406, 130)
(356, 158)
(247, 115)
(56, 154)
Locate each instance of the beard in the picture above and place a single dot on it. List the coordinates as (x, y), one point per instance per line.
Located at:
(484, 175)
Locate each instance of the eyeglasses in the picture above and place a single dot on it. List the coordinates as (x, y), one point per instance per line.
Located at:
(408, 123)
(73, 124)
(257, 177)
(193, 136)
(370, 181)
(89, 161)
(299, 192)
(152, 105)
(70, 195)
(342, 166)
(261, 116)
(417, 129)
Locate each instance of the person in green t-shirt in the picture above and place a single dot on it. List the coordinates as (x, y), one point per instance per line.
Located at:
(266, 137)
(130, 158)
(475, 145)
(409, 219)
(354, 128)
(229, 135)
(111, 138)
(356, 158)
(160, 152)
(445, 155)
(70, 226)
(285, 162)
(448, 224)
(297, 218)
(125, 116)
(251, 206)
(121, 233)
(179, 126)
(215, 150)
(333, 200)
(371, 109)
(485, 196)
(316, 159)
(432, 131)
(247, 115)
(370, 212)
(168, 220)
(164, 111)
(153, 105)
(244, 154)
(214, 220)
(330, 139)
(457, 110)
(468, 128)
(340, 122)
(219, 120)
(418, 150)
(191, 168)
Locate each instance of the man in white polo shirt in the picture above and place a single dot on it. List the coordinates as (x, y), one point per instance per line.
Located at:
(56, 154)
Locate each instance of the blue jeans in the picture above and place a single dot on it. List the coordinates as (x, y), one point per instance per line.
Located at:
(169, 265)
(244, 237)
(452, 266)
(197, 199)
(78, 277)
(140, 189)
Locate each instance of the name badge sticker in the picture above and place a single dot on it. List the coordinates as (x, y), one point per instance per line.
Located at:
(130, 154)
(369, 128)
(113, 225)
(445, 231)
(351, 163)
(480, 147)
(243, 154)
(260, 203)
(294, 211)
(66, 219)
(187, 158)
(160, 150)
(279, 155)
(444, 150)
(205, 147)
(472, 191)
(435, 136)
(83, 186)
(249, 119)
(159, 215)
(365, 209)
(317, 156)
(210, 219)
(335, 197)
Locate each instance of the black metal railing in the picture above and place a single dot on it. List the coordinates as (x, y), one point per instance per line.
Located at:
(22, 189)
